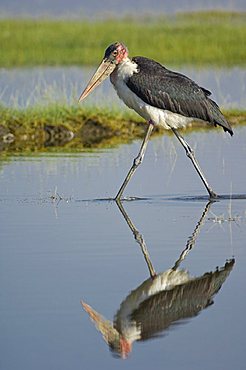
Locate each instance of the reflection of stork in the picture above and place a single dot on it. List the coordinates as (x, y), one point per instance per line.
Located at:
(160, 96)
(160, 301)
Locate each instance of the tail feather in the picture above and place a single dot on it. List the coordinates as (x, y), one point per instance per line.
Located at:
(217, 118)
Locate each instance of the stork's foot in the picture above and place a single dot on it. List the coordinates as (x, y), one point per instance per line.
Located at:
(213, 195)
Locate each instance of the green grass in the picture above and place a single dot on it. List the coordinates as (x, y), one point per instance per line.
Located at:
(41, 128)
(211, 38)
(75, 116)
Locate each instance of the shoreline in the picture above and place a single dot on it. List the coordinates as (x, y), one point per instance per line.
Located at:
(79, 128)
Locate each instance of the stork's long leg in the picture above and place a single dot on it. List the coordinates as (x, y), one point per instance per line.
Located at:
(137, 161)
(190, 153)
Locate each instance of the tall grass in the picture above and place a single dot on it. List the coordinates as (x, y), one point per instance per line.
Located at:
(211, 38)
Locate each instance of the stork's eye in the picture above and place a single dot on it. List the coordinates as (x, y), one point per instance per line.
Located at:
(115, 52)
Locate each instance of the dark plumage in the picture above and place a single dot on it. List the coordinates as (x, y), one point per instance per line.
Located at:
(162, 97)
(183, 301)
(172, 91)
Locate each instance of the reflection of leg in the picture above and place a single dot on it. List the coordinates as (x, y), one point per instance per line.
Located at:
(138, 237)
(140, 240)
(192, 239)
(137, 161)
(190, 154)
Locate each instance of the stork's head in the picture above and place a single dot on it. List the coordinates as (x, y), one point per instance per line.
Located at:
(114, 55)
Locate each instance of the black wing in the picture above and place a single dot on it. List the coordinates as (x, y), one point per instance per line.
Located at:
(183, 301)
(164, 89)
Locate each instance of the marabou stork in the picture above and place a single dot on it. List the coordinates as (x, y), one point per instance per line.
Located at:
(160, 96)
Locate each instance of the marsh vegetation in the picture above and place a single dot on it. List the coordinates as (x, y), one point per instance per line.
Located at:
(199, 39)
(206, 38)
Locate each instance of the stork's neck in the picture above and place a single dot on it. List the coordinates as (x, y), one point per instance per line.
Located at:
(124, 70)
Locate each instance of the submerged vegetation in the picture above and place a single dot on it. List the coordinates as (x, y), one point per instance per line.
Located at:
(206, 38)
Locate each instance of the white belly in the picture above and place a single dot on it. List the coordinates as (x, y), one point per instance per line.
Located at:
(164, 118)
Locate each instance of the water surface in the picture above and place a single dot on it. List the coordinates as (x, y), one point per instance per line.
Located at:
(24, 87)
(116, 8)
(60, 244)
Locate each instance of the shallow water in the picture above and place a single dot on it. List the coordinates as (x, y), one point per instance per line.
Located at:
(61, 244)
(24, 87)
(116, 8)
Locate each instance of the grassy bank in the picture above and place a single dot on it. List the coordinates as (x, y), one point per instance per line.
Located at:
(76, 127)
(211, 38)
(73, 127)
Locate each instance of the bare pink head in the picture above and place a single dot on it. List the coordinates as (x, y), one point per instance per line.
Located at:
(116, 52)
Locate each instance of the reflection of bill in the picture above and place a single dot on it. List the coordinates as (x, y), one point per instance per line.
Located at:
(160, 301)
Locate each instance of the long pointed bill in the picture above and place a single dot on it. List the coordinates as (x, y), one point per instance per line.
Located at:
(102, 72)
